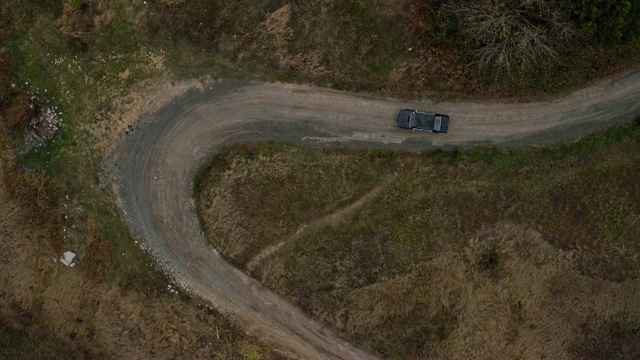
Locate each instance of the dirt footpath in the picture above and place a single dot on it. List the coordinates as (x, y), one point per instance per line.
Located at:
(154, 170)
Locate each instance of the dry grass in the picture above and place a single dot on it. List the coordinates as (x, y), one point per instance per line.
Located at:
(513, 35)
(334, 218)
(234, 188)
(114, 303)
(18, 112)
(93, 60)
(76, 308)
(401, 48)
(481, 254)
(532, 302)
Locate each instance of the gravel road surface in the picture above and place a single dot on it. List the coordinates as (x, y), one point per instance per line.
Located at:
(153, 171)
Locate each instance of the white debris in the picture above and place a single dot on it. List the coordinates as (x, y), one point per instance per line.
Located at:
(42, 127)
(67, 259)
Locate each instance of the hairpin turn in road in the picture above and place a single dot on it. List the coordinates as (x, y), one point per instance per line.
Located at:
(156, 166)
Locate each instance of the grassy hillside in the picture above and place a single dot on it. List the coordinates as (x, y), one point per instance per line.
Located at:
(75, 75)
(424, 48)
(74, 78)
(491, 253)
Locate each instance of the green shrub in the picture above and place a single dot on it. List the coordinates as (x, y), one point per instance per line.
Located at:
(74, 4)
(605, 21)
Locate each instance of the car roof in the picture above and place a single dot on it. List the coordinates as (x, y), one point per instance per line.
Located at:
(425, 120)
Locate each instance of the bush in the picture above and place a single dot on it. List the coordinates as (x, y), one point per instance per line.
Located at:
(77, 20)
(605, 21)
(18, 112)
(511, 34)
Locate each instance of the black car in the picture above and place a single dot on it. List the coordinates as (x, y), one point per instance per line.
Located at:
(422, 121)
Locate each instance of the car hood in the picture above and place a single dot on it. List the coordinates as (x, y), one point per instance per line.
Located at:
(403, 118)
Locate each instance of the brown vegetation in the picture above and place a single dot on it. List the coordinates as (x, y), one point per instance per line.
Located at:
(18, 113)
(402, 48)
(270, 172)
(485, 254)
(114, 303)
(76, 307)
(517, 307)
(105, 308)
(509, 35)
(76, 20)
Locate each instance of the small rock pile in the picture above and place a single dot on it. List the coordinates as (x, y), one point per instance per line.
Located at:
(42, 127)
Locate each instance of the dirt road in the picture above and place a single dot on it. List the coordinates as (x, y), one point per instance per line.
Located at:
(156, 165)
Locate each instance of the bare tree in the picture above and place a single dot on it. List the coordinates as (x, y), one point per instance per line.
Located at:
(507, 34)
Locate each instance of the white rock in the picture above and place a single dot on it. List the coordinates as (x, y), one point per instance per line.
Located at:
(67, 258)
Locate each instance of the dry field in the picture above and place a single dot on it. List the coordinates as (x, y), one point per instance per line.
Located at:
(485, 253)
(48, 310)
